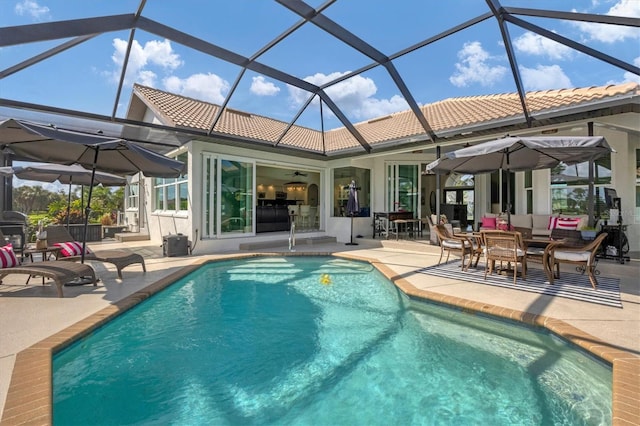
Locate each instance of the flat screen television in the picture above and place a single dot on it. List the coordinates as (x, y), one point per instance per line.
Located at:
(610, 198)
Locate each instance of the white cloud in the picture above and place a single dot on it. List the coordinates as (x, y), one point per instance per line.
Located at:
(156, 56)
(205, 87)
(535, 44)
(33, 9)
(354, 96)
(261, 87)
(474, 67)
(544, 78)
(607, 33)
(154, 52)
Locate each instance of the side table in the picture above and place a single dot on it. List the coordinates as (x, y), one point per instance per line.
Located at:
(46, 252)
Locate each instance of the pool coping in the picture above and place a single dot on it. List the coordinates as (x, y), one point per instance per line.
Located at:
(30, 394)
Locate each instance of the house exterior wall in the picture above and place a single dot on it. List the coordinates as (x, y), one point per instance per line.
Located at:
(189, 223)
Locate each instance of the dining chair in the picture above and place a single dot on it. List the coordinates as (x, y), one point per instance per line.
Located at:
(584, 257)
(460, 244)
(305, 214)
(504, 246)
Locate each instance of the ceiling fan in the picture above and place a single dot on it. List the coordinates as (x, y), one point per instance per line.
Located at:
(297, 173)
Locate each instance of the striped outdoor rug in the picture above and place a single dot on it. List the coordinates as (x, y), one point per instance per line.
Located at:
(570, 285)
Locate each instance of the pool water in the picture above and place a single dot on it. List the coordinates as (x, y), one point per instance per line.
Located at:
(320, 341)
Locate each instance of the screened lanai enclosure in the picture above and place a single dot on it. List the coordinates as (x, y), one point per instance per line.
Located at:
(305, 64)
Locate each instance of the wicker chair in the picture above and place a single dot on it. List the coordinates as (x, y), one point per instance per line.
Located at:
(584, 257)
(118, 257)
(504, 246)
(460, 244)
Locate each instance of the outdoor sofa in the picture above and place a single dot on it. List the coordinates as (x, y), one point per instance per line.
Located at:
(541, 225)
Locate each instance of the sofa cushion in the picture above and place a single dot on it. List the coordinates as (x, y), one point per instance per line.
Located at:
(521, 220)
(540, 221)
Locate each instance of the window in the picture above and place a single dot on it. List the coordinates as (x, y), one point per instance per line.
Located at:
(342, 177)
(528, 189)
(133, 196)
(459, 189)
(403, 187)
(570, 187)
(172, 194)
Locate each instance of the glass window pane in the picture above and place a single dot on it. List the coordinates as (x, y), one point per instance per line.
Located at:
(342, 177)
(573, 200)
(159, 198)
(236, 201)
(184, 196)
(578, 174)
(171, 197)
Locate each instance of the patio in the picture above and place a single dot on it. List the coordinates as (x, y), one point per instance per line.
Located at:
(33, 313)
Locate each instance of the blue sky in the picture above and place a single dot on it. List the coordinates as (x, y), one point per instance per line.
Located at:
(471, 62)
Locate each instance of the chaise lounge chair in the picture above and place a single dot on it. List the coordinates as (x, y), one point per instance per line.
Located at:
(119, 257)
(60, 272)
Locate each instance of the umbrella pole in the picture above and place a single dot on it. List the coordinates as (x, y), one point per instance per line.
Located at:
(69, 201)
(508, 193)
(87, 210)
(85, 280)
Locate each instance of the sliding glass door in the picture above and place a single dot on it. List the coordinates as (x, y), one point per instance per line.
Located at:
(228, 196)
(403, 187)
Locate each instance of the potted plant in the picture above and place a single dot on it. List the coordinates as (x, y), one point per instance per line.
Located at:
(588, 232)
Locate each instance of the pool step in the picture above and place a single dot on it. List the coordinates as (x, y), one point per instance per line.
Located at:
(131, 236)
(285, 243)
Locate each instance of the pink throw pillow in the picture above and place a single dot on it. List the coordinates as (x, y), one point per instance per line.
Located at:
(8, 258)
(71, 248)
(489, 222)
(567, 223)
(552, 222)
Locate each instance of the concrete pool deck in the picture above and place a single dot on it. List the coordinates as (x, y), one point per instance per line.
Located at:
(34, 320)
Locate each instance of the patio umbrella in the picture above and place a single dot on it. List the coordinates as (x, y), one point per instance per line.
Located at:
(520, 154)
(352, 207)
(74, 174)
(43, 143)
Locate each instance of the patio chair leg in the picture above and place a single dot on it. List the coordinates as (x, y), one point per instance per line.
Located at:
(592, 278)
(441, 253)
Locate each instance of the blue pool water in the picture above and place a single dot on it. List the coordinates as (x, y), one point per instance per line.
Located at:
(318, 341)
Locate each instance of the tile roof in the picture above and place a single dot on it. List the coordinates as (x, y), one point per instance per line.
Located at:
(447, 115)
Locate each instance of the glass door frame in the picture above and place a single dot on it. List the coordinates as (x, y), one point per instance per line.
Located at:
(393, 187)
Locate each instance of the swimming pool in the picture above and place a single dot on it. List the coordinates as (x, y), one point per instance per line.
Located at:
(318, 340)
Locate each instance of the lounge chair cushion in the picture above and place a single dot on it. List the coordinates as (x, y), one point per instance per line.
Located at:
(8, 258)
(71, 248)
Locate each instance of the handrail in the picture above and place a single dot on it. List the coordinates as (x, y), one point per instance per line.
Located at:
(292, 237)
